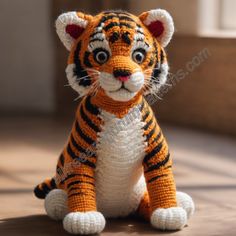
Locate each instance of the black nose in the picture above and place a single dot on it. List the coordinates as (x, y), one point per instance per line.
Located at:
(121, 73)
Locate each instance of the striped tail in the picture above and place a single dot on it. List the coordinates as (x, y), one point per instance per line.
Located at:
(44, 188)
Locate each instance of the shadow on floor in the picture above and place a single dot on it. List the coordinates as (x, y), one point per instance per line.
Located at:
(41, 225)
(31, 226)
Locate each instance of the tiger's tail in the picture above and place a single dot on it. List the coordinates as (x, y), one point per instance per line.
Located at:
(44, 188)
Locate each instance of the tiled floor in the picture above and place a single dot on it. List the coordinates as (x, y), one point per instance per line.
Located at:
(205, 168)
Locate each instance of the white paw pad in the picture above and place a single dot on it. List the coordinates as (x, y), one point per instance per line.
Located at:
(91, 222)
(56, 204)
(173, 218)
(186, 202)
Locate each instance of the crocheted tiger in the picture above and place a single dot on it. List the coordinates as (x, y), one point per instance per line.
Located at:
(116, 162)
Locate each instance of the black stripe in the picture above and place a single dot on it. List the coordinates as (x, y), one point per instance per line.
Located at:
(156, 138)
(156, 177)
(90, 107)
(79, 70)
(78, 147)
(114, 37)
(74, 175)
(53, 183)
(81, 193)
(156, 71)
(148, 124)
(142, 106)
(140, 32)
(158, 165)
(120, 16)
(72, 189)
(146, 115)
(88, 121)
(156, 49)
(96, 39)
(79, 182)
(86, 59)
(121, 24)
(39, 193)
(153, 153)
(45, 188)
(59, 171)
(149, 135)
(157, 68)
(140, 40)
(125, 38)
(82, 160)
(105, 18)
(162, 56)
(168, 167)
(111, 25)
(62, 159)
(83, 136)
(146, 109)
(126, 25)
(151, 62)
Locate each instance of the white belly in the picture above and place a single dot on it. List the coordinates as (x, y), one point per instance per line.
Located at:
(119, 177)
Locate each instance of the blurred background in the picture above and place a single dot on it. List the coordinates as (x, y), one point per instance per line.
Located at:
(197, 111)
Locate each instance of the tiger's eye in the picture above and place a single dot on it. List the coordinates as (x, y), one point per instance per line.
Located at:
(139, 55)
(101, 56)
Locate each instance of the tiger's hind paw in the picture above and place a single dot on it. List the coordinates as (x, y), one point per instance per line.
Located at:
(173, 218)
(84, 223)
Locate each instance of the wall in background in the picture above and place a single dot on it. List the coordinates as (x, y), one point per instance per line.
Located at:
(203, 85)
(26, 57)
(184, 23)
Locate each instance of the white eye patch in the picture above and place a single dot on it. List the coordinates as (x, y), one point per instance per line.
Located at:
(140, 44)
(98, 40)
(99, 44)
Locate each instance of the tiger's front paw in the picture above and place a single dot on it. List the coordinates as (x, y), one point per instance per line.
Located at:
(91, 222)
(173, 218)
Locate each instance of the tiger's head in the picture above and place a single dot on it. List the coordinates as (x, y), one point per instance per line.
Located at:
(116, 52)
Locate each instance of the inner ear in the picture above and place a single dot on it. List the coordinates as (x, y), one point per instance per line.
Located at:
(156, 28)
(160, 24)
(74, 30)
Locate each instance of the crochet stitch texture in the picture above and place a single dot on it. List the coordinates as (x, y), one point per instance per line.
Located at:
(116, 161)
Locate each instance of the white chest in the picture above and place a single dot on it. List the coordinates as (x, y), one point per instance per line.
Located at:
(120, 150)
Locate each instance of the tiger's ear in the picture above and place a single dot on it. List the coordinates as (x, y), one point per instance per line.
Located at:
(160, 23)
(70, 26)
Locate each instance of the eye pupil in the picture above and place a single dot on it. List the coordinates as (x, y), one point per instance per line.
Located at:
(139, 57)
(102, 56)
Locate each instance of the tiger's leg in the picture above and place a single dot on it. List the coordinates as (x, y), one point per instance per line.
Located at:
(157, 165)
(83, 217)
